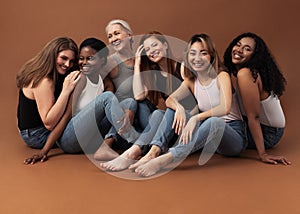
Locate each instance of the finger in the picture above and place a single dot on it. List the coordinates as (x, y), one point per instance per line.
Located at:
(285, 161)
(272, 161)
(191, 136)
(33, 161)
(173, 124)
(27, 161)
(44, 158)
(180, 139)
(186, 138)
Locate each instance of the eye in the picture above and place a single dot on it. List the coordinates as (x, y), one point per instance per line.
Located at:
(90, 58)
(192, 53)
(247, 49)
(146, 49)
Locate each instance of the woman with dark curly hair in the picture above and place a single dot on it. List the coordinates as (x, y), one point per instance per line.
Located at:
(259, 82)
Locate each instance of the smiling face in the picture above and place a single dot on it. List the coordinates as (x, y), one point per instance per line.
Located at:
(199, 57)
(243, 51)
(64, 61)
(155, 49)
(89, 62)
(118, 37)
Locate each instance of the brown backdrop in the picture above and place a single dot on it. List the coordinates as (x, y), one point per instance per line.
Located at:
(72, 184)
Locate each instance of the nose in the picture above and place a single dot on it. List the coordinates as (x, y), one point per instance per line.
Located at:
(113, 38)
(84, 62)
(239, 49)
(198, 57)
(67, 63)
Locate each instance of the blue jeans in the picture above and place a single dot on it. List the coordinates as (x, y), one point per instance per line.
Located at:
(151, 129)
(143, 110)
(128, 103)
(165, 133)
(36, 137)
(271, 136)
(82, 132)
(214, 134)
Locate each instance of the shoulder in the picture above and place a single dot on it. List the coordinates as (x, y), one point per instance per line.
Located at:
(189, 83)
(46, 83)
(244, 73)
(223, 75)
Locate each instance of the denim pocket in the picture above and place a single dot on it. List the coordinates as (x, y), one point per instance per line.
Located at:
(35, 138)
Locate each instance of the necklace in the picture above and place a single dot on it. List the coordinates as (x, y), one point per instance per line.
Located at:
(205, 82)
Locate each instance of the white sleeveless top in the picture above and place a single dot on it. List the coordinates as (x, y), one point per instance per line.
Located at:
(271, 113)
(209, 97)
(89, 93)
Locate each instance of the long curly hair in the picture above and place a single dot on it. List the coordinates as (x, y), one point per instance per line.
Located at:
(261, 62)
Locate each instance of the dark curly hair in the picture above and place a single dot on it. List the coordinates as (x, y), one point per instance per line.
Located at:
(261, 62)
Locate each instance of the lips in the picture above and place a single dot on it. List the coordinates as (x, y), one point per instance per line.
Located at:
(237, 56)
(198, 65)
(85, 68)
(116, 43)
(155, 54)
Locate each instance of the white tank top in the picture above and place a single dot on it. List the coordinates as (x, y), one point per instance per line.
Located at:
(209, 97)
(271, 113)
(89, 93)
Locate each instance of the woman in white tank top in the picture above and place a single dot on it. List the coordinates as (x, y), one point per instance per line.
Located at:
(218, 126)
(259, 83)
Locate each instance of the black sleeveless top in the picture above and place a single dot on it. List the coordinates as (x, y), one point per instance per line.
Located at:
(27, 112)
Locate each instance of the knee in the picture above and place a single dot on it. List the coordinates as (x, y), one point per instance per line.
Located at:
(130, 104)
(158, 114)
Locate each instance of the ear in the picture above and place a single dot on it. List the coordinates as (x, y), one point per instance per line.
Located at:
(166, 45)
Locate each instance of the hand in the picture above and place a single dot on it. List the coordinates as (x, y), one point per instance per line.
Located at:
(71, 81)
(127, 119)
(179, 120)
(187, 132)
(273, 159)
(138, 54)
(42, 156)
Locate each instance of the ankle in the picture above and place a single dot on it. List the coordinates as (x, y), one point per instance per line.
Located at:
(109, 141)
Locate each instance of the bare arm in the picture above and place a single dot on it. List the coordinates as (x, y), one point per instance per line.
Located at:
(139, 89)
(250, 94)
(53, 137)
(108, 84)
(49, 110)
(173, 102)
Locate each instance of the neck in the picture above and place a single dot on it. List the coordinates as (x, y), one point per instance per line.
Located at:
(94, 77)
(125, 53)
(163, 65)
(203, 78)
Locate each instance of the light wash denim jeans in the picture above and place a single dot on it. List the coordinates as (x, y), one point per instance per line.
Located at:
(82, 132)
(165, 133)
(151, 129)
(143, 111)
(271, 136)
(214, 134)
(36, 137)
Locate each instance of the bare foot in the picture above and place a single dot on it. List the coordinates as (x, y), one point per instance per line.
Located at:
(105, 153)
(123, 161)
(153, 153)
(153, 166)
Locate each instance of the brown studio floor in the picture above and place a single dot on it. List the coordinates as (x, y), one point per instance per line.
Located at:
(73, 184)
